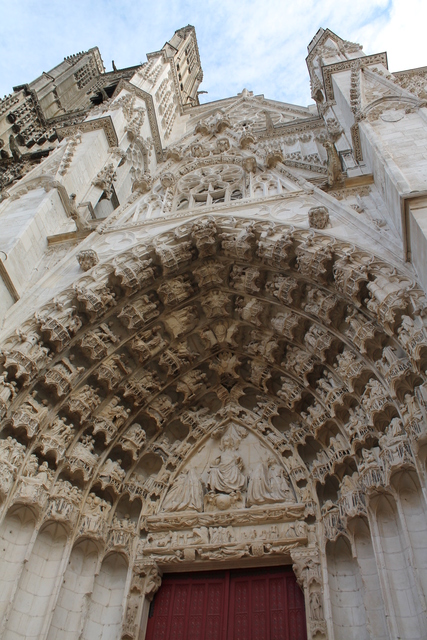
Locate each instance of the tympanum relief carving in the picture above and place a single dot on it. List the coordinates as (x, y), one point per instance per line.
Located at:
(233, 469)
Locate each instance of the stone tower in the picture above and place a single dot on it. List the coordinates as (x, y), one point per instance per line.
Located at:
(213, 353)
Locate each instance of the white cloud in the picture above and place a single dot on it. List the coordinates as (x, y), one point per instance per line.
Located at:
(261, 45)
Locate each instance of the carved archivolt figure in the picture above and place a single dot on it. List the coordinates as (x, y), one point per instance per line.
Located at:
(185, 494)
(225, 474)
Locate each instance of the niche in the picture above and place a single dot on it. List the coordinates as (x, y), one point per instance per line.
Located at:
(72, 601)
(346, 592)
(328, 490)
(149, 465)
(105, 608)
(128, 508)
(414, 513)
(15, 536)
(405, 606)
(37, 583)
(308, 451)
(372, 596)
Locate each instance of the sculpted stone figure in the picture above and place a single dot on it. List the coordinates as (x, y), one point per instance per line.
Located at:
(135, 316)
(7, 393)
(111, 470)
(318, 217)
(95, 511)
(81, 223)
(96, 343)
(7, 389)
(225, 474)
(30, 414)
(11, 451)
(216, 304)
(26, 357)
(87, 259)
(369, 459)
(268, 484)
(59, 430)
(114, 412)
(40, 475)
(316, 606)
(62, 376)
(133, 439)
(279, 486)
(110, 418)
(83, 402)
(186, 493)
(374, 395)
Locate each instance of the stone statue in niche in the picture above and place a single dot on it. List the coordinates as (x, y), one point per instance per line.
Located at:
(369, 459)
(60, 432)
(268, 484)
(81, 457)
(7, 393)
(59, 324)
(111, 471)
(133, 440)
(110, 419)
(30, 414)
(393, 436)
(316, 606)
(26, 357)
(95, 512)
(62, 376)
(83, 402)
(186, 493)
(37, 474)
(216, 304)
(11, 451)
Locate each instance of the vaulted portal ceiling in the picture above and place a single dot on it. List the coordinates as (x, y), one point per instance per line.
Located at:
(295, 353)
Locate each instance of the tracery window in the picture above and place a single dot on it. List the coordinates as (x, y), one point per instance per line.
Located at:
(209, 186)
(266, 184)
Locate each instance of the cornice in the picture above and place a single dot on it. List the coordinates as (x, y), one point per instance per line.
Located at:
(105, 123)
(296, 126)
(346, 65)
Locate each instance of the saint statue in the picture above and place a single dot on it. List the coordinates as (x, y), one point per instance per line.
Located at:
(186, 493)
(225, 474)
(268, 484)
(279, 487)
(258, 487)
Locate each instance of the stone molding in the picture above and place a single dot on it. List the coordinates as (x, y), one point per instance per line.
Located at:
(104, 122)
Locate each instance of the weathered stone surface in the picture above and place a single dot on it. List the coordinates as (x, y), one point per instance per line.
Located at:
(235, 375)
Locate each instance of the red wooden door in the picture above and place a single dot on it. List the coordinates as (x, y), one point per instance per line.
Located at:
(264, 604)
(190, 606)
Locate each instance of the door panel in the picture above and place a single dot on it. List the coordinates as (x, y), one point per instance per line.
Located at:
(190, 607)
(262, 604)
(266, 605)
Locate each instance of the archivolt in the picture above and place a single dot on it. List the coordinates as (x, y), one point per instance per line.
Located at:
(315, 345)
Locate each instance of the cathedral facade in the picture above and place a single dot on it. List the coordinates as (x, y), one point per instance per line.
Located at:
(213, 394)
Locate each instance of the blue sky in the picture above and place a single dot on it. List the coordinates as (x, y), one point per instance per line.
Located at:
(260, 44)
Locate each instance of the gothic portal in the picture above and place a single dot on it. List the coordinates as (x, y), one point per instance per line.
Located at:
(213, 352)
